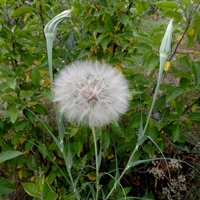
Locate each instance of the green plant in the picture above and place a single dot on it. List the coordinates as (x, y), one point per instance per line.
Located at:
(126, 35)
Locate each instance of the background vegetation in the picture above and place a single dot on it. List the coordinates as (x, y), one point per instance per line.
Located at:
(127, 35)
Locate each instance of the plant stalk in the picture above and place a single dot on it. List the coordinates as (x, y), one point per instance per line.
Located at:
(97, 162)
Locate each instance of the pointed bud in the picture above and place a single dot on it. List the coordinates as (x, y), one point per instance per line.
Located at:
(165, 47)
(51, 27)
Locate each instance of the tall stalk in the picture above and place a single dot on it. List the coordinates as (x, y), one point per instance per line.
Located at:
(50, 33)
(97, 162)
(165, 50)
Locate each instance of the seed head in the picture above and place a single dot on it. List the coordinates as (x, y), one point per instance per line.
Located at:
(91, 93)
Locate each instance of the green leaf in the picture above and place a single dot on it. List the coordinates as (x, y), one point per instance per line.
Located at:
(21, 125)
(48, 193)
(104, 42)
(194, 117)
(25, 93)
(184, 82)
(141, 6)
(47, 93)
(10, 154)
(77, 147)
(108, 23)
(180, 107)
(185, 75)
(32, 163)
(73, 131)
(51, 177)
(174, 93)
(35, 77)
(41, 109)
(198, 36)
(101, 29)
(177, 16)
(6, 187)
(138, 162)
(160, 103)
(43, 150)
(141, 79)
(165, 5)
(81, 54)
(32, 189)
(186, 2)
(105, 140)
(16, 137)
(118, 130)
(3, 2)
(6, 70)
(176, 133)
(123, 19)
(13, 113)
(151, 62)
(161, 144)
(11, 82)
(21, 10)
(148, 149)
(69, 155)
(144, 38)
(129, 134)
(101, 37)
(8, 98)
(196, 69)
(29, 145)
(184, 62)
(152, 132)
(29, 114)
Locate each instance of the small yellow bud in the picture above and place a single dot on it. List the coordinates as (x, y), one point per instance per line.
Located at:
(179, 38)
(166, 66)
(119, 69)
(191, 32)
(91, 177)
(32, 178)
(20, 174)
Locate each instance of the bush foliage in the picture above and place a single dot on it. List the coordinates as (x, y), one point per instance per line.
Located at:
(127, 35)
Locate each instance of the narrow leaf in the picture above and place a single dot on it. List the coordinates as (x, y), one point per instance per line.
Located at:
(5, 69)
(196, 69)
(194, 117)
(167, 4)
(21, 10)
(7, 155)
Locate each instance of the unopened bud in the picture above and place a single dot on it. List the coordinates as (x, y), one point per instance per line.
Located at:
(165, 47)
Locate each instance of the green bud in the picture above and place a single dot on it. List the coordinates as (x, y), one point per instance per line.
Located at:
(165, 47)
(51, 27)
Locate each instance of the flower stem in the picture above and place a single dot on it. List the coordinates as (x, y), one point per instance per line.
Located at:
(97, 161)
(163, 59)
(69, 172)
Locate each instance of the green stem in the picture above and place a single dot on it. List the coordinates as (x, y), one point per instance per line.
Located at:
(163, 59)
(97, 161)
(124, 171)
(69, 172)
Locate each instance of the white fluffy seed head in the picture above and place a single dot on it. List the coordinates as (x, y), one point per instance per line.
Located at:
(91, 93)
